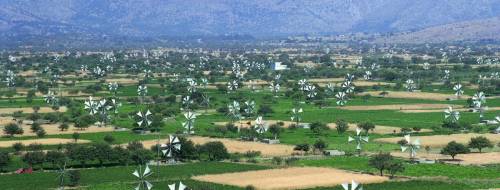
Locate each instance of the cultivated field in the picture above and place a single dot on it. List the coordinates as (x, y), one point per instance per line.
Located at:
(46, 141)
(290, 178)
(442, 140)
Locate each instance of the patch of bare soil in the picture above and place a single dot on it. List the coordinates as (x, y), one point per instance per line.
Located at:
(234, 146)
(48, 141)
(415, 95)
(442, 140)
(290, 178)
(30, 110)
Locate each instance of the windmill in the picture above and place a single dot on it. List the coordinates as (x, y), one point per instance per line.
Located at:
(260, 125)
(354, 186)
(251, 85)
(232, 86)
(144, 119)
(173, 186)
(341, 98)
(191, 88)
(296, 115)
(411, 146)
(50, 98)
(61, 174)
(479, 100)
(274, 87)
(311, 91)
(142, 91)
(458, 90)
(358, 139)
(141, 176)
(426, 66)
(186, 102)
(330, 89)
(410, 85)
(452, 115)
(446, 74)
(113, 87)
(189, 124)
(368, 75)
(173, 145)
(302, 84)
(91, 105)
(10, 79)
(205, 101)
(115, 105)
(348, 86)
(250, 108)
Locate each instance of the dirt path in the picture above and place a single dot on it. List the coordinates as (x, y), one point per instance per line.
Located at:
(401, 107)
(30, 110)
(442, 140)
(290, 178)
(48, 141)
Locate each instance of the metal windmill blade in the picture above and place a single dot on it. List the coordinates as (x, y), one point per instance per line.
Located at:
(330, 89)
(368, 75)
(186, 101)
(341, 98)
(143, 184)
(115, 105)
(296, 115)
(452, 115)
(410, 85)
(274, 87)
(260, 125)
(113, 87)
(144, 119)
(189, 124)
(91, 105)
(142, 90)
(191, 88)
(458, 90)
(250, 107)
(354, 186)
(173, 145)
(311, 91)
(446, 74)
(413, 147)
(358, 139)
(181, 186)
(302, 84)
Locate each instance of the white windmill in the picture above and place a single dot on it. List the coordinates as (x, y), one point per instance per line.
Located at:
(426, 66)
(186, 102)
(479, 100)
(358, 139)
(446, 75)
(144, 119)
(311, 91)
(413, 147)
(302, 84)
(368, 75)
(191, 88)
(330, 89)
(274, 87)
(341, 98)
(181, 186)
(115, 105)
(250, 108)
(113, 87)
(296, 115)
(189, 124)
(410, 85)
(234, 111)
(354, 186)
(141, 176)
(260, 125)
(348, 86)
(452, 115)
(91, 105)
(173, 145)
(232, 86)
(458, 90)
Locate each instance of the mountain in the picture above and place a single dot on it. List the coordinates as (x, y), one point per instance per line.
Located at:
(476, 30)
(259, 18)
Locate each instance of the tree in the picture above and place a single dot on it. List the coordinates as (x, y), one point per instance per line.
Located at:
(320, 145)
(18, 147)
(35, 127)
(102, 152)
(275, 130)
(302, 147)
(13, 129)
(188, 150)
(381, 161)
(34, 158)
(4, 159)
(480, 143)
(215, 151)
(84, 122)
(75, 136)
(120, 155)
(395, 167)
(74, 178)
(41, 133)
(453, 148)
(341, 125)
(318, 127)
(366, 126)
(63, 127)
(79, 153)
(141, 156)
(265, 110)
(109, 139)
(56, 158)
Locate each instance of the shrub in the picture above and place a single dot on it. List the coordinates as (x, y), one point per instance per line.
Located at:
(13, 129)
(74, 178)
(341, 126)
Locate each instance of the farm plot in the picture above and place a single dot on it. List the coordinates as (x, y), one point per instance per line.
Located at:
(290, 178)
(442, 140)
(463, 159)
(30, 110)
(400, 107)
(414, 95)
(234, 146)
(48, 141)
